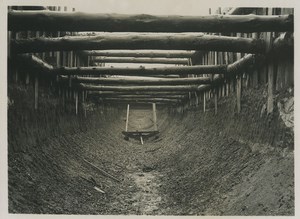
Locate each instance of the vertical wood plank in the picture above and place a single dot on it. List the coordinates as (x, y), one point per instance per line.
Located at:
(154, 116)
(36, 92)
(127, 118)
(270, 70)
(204, 101)
(238, 93)
(216, 100)
(76, 102)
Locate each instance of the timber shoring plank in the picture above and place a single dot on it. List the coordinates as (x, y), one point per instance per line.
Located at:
(79, 21)
(139, 53)
(139, 81)
(144, 88)
(142, 71)
(159, 41)
(141, 60)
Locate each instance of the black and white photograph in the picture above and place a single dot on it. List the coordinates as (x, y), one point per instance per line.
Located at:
(148, 108)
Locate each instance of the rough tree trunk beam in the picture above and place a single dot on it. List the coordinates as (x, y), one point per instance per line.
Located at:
(34, 61)
(140, 53)
(78, 21)
(141, 60)
(141, 99)
(145, 96)
(157, 93)
(177, 70)
(144, 88)
(186, 41)
(139, 81)
(241, 64)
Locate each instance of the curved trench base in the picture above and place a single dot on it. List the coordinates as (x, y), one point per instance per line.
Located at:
(200, 164)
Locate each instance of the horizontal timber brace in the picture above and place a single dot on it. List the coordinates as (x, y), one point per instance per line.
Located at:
(186, 41)
(141, 60)
(151, 99)
(140, 81)
(140, 53)
(78, 21)
(186, 88)
(157, 93)
(176, 70)
(145, 96)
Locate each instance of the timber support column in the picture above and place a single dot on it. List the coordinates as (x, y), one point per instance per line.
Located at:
(127, 118)
(36, 91)
(154, 116)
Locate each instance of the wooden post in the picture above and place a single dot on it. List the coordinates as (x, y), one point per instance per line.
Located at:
(76, 102)
(270, 70)
(204, 101)
(196, 99)
(216, 100)
(141, 138)
(36, 91)
(127, 118)
(154, 116)
(238, 92)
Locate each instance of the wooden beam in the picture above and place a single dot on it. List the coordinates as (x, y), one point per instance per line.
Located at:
(127, 118)
(140, 53)
(144, 88)
(34, 61)
(143, 96)
(139, 81)
(154, 93)
(154, 116)
(36, 91)
(241, 64)
(78, 21)
(181, 41)
(142, 71)
(175, 61)
(152, 100)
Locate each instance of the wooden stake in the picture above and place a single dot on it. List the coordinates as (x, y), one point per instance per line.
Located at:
(127, 118)
(204, 101)
(270, 71)
(76, 102)
(239, 92)
(216, 101)
(141, 137)
(154, 116)
(36, 91)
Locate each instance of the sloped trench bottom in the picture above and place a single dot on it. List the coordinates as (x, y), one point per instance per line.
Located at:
(196, 170)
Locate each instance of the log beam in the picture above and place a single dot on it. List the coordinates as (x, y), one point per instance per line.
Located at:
(144, 96)
(141, 71)
(182, 41)
(175, 61)
(139, 81)
(78, 21)
(151, 100)
(144, 88)
(140, 53)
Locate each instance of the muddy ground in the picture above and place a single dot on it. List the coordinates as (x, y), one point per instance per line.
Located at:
(200, 164)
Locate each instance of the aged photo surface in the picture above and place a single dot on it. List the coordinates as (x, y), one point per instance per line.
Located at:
(141, 108)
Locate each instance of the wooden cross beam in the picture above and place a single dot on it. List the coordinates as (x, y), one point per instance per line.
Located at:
(78, 21)
(185, 88)
(160, 41)
(139, 53)
(141, 71)
(138, 80)
(176, 61)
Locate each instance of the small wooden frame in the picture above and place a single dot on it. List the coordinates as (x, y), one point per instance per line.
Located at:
(140, 133)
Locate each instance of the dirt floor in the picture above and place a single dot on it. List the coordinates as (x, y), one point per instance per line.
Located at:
(200, 164)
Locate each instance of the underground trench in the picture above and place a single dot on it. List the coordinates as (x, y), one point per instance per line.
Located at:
(213, 134)
(200, 164)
